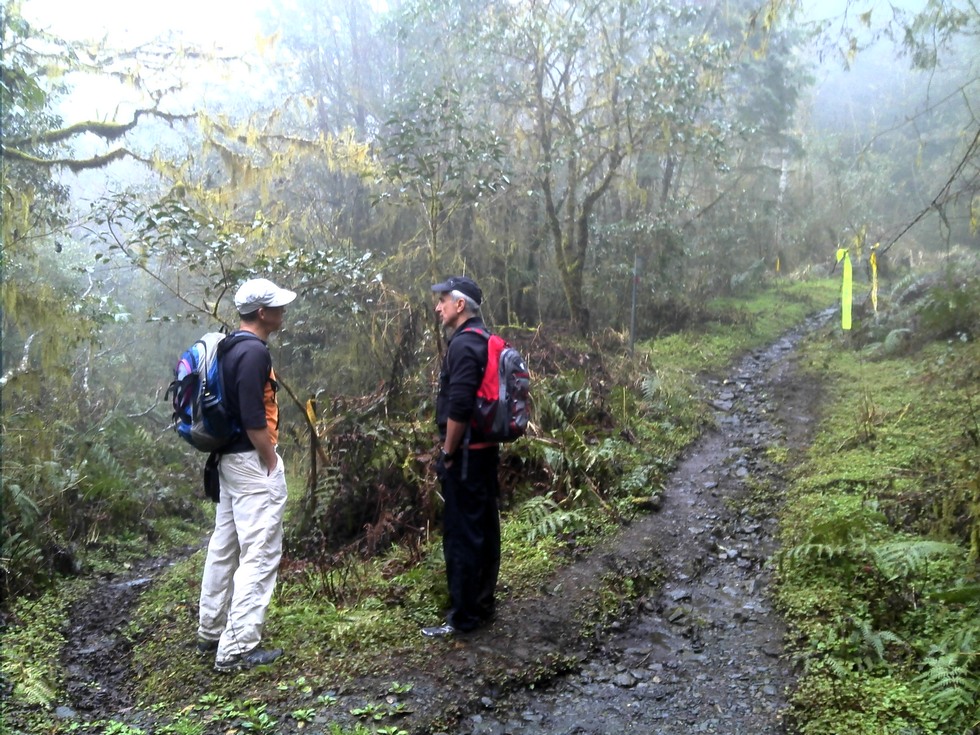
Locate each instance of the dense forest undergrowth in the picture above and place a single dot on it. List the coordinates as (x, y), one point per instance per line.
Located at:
(650, 174)
(877, 574)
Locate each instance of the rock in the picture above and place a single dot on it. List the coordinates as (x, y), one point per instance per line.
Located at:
(625, 680)
(65, 713)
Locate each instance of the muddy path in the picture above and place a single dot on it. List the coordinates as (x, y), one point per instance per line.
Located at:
(703, 652)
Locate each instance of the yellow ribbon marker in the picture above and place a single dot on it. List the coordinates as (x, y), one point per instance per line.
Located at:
(873, 259)
(845, 289)
(777, 265)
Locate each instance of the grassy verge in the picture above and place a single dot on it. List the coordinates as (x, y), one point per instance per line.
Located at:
(878, 577)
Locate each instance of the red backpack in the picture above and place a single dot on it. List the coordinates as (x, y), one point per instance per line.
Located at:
(503, 400)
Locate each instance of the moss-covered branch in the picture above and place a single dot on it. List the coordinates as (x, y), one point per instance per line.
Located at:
(105, 130)
(108, 131)
(75, 164)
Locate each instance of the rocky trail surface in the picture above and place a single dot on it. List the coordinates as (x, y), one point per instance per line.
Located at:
(705, 654)
(701, 653)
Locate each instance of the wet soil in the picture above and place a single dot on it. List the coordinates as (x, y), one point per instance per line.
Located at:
(700, 652)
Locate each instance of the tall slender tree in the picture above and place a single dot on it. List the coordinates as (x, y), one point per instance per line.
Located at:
(594, 83)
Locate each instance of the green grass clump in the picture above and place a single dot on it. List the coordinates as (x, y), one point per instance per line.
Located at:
(878, 576)
(741, 324)
(31, 664)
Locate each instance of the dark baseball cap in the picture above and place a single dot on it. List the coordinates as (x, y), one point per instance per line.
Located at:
(463, 285)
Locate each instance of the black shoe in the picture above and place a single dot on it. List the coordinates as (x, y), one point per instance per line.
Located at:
(204, 646)
(439, 631)
(245, 661)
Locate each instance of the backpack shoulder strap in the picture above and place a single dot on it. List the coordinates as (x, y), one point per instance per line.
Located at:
(233, 339)
(485, 333)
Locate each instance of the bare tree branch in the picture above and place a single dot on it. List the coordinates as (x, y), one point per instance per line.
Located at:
(943, 195)
(24, 364)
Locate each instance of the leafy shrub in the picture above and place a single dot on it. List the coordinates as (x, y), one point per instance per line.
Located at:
(953, 309)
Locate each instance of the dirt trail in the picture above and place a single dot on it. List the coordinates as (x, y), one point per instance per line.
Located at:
(705, 655)
(702, 654)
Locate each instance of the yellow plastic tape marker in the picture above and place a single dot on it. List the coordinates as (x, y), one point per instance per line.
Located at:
(874, 277)
(845, 289)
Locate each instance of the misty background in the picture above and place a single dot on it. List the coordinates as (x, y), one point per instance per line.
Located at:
(602, 169)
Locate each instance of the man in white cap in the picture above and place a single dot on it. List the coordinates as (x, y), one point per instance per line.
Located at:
(246, 546)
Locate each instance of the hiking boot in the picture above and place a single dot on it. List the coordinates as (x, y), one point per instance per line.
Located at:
(439, 631)
(204, 646)
(245, 661)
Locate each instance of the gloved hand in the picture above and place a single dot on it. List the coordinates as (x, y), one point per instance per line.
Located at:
(441, 465)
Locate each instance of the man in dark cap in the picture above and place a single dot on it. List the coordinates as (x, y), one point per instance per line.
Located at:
(467, 464)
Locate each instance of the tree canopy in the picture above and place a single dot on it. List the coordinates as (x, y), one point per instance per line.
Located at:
(605, 164)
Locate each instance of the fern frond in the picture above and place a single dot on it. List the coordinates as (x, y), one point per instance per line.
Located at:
(841, 529)
(32, 687)
(17, 497)
(950, 685)
(536, 508)
(101, 457)
(963, 594)
(874, 640)
(902, 558)
(840, 669)
(141, 436)
(813, 552)
(650, 386)
(548, 413)
(545, 518)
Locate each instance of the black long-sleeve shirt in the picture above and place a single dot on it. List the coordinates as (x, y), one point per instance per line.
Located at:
(462, 372)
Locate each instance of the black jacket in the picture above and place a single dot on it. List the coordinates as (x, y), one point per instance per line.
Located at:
(462, 372)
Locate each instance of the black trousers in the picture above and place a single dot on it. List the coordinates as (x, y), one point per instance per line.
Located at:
(471, 536)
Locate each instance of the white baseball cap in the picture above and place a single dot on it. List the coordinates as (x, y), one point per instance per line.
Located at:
(259, 292)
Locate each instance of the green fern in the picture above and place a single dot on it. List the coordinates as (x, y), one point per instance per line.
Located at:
(548, 413)
(575, 403)
(850, 529)
(903, 558)
(15, 498)
(637, 480)
(907, 283)
(140, 436)
(32, 687)
(545, 518)
(651, 386)
(101, 462)
(812, 553)
(839, 668)
(952, 687)
(870, 643)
